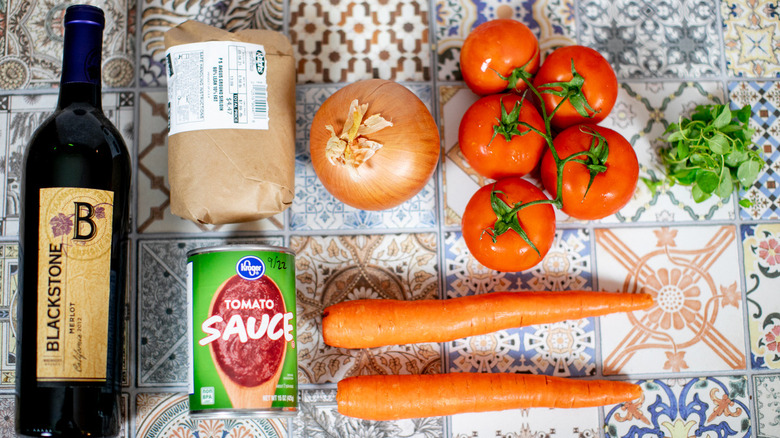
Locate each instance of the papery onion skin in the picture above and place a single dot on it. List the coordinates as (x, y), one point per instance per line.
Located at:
(400, 168)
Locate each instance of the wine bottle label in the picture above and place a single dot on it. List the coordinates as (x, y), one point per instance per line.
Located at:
(217, 85)
(74, 275)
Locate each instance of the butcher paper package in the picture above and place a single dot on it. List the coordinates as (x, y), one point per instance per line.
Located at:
(231, 137)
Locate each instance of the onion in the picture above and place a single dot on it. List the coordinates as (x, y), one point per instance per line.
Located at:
(385, 156)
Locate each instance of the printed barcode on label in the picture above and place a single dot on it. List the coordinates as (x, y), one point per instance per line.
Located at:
(260, 101)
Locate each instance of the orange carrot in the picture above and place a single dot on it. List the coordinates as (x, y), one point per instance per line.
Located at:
(375, 323)
(430, 395)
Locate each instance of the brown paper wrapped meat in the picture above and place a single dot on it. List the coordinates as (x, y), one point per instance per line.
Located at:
(220, 176)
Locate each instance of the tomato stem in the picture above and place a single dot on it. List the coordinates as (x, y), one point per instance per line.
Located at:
(594, 158)
(508, 122)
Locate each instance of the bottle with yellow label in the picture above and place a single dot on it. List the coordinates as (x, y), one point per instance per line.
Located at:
(73, 240)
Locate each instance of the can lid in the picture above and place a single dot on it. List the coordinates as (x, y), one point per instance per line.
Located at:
(86, 14)
(239, 248)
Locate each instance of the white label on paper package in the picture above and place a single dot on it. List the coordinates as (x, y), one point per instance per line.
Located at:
(217, 85)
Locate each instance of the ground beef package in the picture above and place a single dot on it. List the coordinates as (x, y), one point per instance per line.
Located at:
(231, 141)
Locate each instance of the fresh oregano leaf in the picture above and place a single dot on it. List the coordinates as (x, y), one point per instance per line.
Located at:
(719, 144)
(698, 194)
(735, 157)
(707, 181)
(723, 118)
(725, 186)
(748, 172)
(683, 151)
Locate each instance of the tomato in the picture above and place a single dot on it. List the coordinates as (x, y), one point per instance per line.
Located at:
(497, 46)
(509, 253)
(488, 152)
(610, 190)
(600, 86)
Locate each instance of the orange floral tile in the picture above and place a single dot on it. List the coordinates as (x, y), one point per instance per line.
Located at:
(693, 274)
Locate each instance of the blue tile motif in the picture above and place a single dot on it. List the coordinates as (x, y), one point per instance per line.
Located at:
(764, 98)
(699, 407)
(565, 349)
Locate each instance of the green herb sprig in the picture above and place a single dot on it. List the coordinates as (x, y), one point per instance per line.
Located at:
(711, 152)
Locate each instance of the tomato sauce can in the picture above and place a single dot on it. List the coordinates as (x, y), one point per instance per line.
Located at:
(242, 326)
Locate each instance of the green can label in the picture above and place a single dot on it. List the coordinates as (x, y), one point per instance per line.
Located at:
(243, 327)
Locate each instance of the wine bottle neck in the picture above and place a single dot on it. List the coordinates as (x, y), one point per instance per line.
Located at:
(81, 61)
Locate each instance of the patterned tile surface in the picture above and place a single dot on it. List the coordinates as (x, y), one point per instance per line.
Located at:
(167, 415)
(707, 354)
(696, 322)
(31, 43)
(576, 423)
(333, 269)
(9, 279)
(318, 418)
(653, 39)
(750, 38)
(684, 408)
(352, 40)
(767, 405)
(761, 247)
(764, 99)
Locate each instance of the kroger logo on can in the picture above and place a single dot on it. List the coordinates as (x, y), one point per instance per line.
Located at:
(250, 268)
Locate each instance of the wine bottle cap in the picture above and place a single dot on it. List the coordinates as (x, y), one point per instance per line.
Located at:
(85, 14)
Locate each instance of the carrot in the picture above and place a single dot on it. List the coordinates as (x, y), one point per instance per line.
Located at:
(375, 322)
(394, 397)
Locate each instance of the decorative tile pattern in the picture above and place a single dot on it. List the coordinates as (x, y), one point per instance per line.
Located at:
(161, 415)
(761, 249)
(7, 412)
(337, 268)
(566, 348)
(551, 20)
(162, 308)
(653, 39)
(697, 320)
(31, 43)
(567, 266)
(536, 423)
(9, 286)
(641, 114)
(684, 408)
(318, 418)
(764, 99)
(158, 16)
(750, 38)
(316, 209)
(20, 115)
(154, 193)
(351, 40)
(767, 405)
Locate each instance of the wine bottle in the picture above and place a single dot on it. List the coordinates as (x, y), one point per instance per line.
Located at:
(72, 249)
